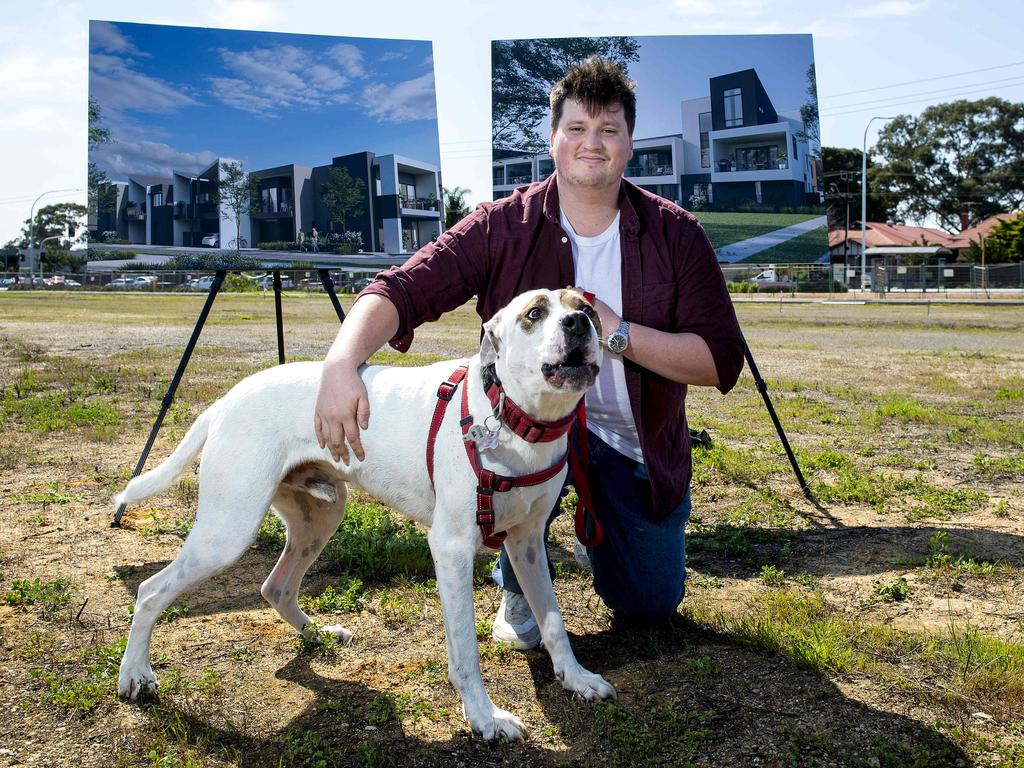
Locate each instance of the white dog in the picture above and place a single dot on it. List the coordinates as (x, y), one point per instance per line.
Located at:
(260, 450)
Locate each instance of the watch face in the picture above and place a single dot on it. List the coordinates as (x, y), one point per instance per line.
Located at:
(617, 342)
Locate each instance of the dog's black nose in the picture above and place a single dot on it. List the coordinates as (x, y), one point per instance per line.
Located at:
(575, 323)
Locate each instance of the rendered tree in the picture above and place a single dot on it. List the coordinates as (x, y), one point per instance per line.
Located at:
(523, 72)
(342, 197)
(809, 111)
(101, 195)
(961, 162)
(239, 192)
(455, 206)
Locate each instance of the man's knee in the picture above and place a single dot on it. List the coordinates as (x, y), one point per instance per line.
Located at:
(651, 604)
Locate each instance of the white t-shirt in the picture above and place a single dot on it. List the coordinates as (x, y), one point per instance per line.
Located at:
(598, 262)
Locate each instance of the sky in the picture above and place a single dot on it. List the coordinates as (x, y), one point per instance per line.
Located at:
(177, 98)
(874, 58)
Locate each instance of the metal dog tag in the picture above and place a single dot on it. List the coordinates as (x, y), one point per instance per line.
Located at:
(476, 433)
(488, 441)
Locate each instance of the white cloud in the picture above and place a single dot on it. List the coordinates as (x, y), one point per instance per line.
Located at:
(349, 58)
(889, 8)
(266, 81)
(148, 158)
(402, 102)
(118, 88)
(104, 36)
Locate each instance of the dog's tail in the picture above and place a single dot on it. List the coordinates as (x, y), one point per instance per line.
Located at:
(160, 478)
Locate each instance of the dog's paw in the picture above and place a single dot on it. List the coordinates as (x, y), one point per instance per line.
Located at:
(586, 685)
(341, 635)
(499, 724)
(134, 683)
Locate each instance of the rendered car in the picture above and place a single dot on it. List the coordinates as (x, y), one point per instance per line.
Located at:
(211, 240)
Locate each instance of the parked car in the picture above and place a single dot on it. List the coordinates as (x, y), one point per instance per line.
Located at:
(120, 283)
(362, 282)
(266, 283)
(211, 240)
(770, 280)
(201, 283)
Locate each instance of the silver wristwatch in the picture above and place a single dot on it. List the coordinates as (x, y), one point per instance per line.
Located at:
(618, 340)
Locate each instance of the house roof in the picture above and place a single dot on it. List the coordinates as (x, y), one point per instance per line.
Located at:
(982, 230)
(881, 235)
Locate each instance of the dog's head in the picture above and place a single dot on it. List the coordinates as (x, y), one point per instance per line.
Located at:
(544, 344)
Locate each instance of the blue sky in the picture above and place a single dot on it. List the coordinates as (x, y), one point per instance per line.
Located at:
(179, 97)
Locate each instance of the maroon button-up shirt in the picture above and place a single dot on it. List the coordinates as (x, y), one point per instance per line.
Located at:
(670, 281)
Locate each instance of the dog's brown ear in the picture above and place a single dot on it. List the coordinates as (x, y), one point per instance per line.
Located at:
(489, 345)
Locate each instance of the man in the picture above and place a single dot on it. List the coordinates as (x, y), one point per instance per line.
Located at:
(663, 306)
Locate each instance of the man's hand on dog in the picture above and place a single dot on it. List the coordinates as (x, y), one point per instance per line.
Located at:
(342, 409)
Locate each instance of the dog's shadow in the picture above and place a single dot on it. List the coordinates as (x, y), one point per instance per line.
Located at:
(686, 696)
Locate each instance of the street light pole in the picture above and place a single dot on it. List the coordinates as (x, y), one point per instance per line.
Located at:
(864, 202)
(32, 223)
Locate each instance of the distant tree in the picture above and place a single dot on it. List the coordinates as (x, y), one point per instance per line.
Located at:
(239, 192)
(960, 162)
(65, 221)
(342, 197)
(809, 111)
(455, 206)
(55, 259)
(523, 72)
(842, 169)
(1005, 243)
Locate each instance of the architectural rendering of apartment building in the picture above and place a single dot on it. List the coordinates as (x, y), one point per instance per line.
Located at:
(399, 211)
(734, 151)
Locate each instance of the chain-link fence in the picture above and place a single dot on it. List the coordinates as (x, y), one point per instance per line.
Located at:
(345, 281)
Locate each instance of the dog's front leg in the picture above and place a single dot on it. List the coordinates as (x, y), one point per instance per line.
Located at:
(453, 553)
(525, 548)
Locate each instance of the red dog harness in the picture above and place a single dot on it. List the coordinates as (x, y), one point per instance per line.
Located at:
(529, 429)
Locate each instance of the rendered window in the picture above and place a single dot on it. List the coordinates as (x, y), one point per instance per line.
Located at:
(733, 107)
(704, 118)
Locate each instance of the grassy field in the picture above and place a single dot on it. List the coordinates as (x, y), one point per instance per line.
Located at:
(727, 228)
(879, 626)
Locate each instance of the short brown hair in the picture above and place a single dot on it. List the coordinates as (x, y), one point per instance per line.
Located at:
(597, 84)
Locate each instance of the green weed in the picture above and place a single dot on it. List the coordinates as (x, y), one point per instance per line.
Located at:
(893, 590)
(85, 694)
(772, 576)
(52, 595)
(347, 599)
(316, 640)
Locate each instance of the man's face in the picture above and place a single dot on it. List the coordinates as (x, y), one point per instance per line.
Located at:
(591, 151)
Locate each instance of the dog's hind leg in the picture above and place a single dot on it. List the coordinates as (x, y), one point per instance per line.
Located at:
(311, 521)
(525, 548)
(226, 524)
(453, 551)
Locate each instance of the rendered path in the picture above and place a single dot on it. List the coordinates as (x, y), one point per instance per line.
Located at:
(738, 251)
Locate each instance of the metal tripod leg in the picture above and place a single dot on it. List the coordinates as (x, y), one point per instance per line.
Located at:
(280, 322)
(165, 404)
(762, 387)
(328, 284)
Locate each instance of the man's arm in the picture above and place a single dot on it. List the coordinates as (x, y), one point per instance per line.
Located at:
(342, 406)
(684, 358)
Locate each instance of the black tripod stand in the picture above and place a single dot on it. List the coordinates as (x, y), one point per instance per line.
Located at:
(218, 281)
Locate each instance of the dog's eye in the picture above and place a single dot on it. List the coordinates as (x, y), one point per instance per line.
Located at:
(587, 310)
(535, 314)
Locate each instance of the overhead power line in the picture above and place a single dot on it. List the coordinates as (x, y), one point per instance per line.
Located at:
(1016, 80)
(923, 80)
(909, 99)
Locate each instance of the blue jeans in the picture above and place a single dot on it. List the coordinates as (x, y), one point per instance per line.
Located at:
(640, 565)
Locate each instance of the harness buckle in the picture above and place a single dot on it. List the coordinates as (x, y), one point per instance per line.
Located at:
(504, 484)
(446, 391)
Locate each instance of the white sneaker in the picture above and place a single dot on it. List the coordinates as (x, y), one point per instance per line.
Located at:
(514, 623)
(582, 557)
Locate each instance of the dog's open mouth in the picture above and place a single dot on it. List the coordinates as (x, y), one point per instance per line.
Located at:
(574, 372)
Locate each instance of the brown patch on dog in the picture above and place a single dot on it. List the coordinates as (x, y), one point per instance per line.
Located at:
(309, 478)
(538, 302)
(573, 299)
